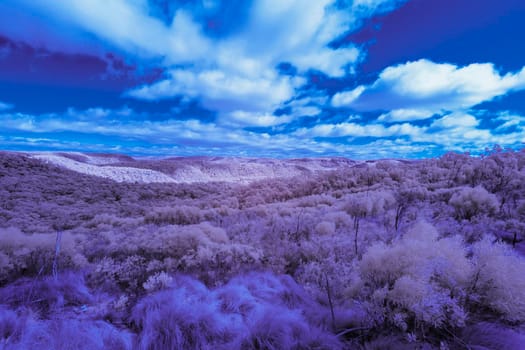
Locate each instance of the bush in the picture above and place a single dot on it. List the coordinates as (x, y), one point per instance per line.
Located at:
(419, 278)
(47, 295)
(486, 335)
(470, 202)
(202, 249)
(255, 311)
(31, 254)
(325, 228)
(157, 282)
(21, 330)
(500, 279)
(180, 215)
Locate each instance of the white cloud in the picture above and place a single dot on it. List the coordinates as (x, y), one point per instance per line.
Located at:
(374, 6)
(242, 118)
(128, 26)
(432, 87)
(275, 31)
(330, 62)
(306, 111)
(283, 31)
(96, 113)
(235, 72)
(240, 74)
(510, 120)
(359, 130)
(455, 131)
(308, 106)
(346, 98)
(456, 120)
(206, 137)
(402, 115)
(236, 77)
(223, 92)
(459, 132)
(5, 106)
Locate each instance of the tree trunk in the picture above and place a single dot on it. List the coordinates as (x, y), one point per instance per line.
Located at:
(356, 228)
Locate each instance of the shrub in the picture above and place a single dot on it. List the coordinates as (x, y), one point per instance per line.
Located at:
(30, 254)
(181, 318)
(11, 324)
(180, 215)
(500, 279)
(325, 228)
(128, 273)
(470, 202)
(417, 278)
(202, 249)
(254, 311)
(486, 335)
(21, 330)
(157, 282)
(47, 295)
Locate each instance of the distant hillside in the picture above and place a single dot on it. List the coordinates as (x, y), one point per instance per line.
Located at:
(189, 169)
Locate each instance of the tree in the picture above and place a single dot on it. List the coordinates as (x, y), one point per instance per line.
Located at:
(406, 195)
(361, 205)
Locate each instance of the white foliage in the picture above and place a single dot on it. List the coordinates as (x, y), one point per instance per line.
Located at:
(119, 174)
(469, 202)
(501, 278)
(325, 228)
(158, 281)
(418, 274)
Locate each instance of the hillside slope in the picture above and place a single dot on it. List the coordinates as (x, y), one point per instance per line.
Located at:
(189, 169)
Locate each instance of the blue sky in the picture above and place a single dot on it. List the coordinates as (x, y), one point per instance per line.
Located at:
(277, 78)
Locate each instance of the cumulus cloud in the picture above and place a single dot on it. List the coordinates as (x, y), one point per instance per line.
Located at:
(193, 134)
(402, 115)
(282, 31)
(462, 131)
(458, 130)
(510, 121)
(220, 91)
(455, 131)
(358, 130)
(236, 71)
(240, 73)
(5, 106)
(347, 98)
(234, 74)
(227, 136)
(456, 120)
(275, 31)
(374, 6)
(297, 36)
(306, 106)
(127, 25)
(292, 111)
(243, 118)
(97, 113)
(420, 89)
(423, 90)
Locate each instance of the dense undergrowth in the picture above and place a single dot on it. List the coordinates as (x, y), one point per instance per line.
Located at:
(381, 255)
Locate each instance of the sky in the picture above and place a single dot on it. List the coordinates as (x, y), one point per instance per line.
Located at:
(362, 79)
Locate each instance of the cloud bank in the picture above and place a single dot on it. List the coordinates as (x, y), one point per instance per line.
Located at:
(260, 78)
(420, 89)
